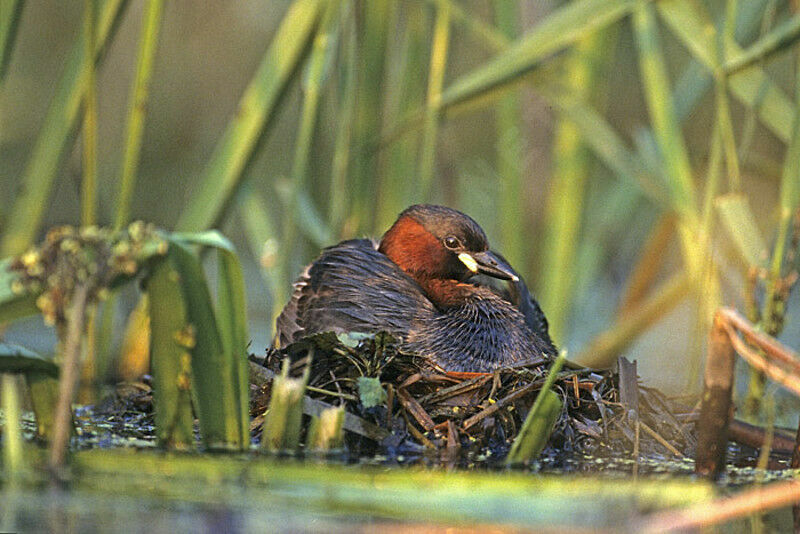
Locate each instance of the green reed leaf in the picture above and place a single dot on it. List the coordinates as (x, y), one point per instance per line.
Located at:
(540, 420)
(9, 24)
(137, 109)
(781, 37)
(740, 223)
(25, 217)
(224, 172)
(559, 30)
(18, 359)
(216, 392)
(172, 339)
(692, 25)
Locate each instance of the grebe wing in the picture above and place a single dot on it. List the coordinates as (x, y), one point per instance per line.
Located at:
(352, 287)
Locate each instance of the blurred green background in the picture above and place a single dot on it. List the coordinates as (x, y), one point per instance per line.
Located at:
(635, 160)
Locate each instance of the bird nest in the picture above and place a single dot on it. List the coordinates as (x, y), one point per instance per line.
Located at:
(400, 404)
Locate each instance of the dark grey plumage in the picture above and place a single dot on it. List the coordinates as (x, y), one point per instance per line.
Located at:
(352, 287)
(519, 295)
(483, 334)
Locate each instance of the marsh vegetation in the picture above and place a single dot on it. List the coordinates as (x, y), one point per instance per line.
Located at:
(637, 161)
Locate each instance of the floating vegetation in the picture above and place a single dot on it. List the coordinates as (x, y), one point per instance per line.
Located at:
(401, 404)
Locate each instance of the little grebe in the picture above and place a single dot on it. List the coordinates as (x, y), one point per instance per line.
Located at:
(414, 284)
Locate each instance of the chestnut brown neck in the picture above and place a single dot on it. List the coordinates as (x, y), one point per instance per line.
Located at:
(421, 255)
(447, 293)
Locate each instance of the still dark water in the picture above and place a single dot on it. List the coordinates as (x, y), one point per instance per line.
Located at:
(121, 483)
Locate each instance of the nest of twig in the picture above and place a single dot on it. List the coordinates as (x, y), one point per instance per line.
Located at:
(420, 406)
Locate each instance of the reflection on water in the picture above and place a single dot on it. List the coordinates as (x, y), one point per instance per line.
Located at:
(128, 501)
(75, 511)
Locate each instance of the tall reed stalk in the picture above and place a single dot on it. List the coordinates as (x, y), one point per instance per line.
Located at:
(406, 89)
(10, 12)
(372, 29)
(510, 143)
(29, 207)
(427, 160)
(565, 200)
(89, 183)
(129, 165)
(224, 172)
(137, 110)
(337, 206)
(322, 50)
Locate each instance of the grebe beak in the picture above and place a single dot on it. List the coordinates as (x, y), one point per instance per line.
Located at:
(488, 264)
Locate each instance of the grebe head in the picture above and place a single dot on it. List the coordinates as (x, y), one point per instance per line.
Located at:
(438, 243)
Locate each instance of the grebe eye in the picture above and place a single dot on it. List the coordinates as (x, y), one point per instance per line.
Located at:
(451, 242)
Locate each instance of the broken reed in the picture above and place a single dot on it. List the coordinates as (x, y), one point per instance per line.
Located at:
(13, 442)
(715, 410)
(763, 353)
(282, 426)
(282, 421)
(326, 432)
